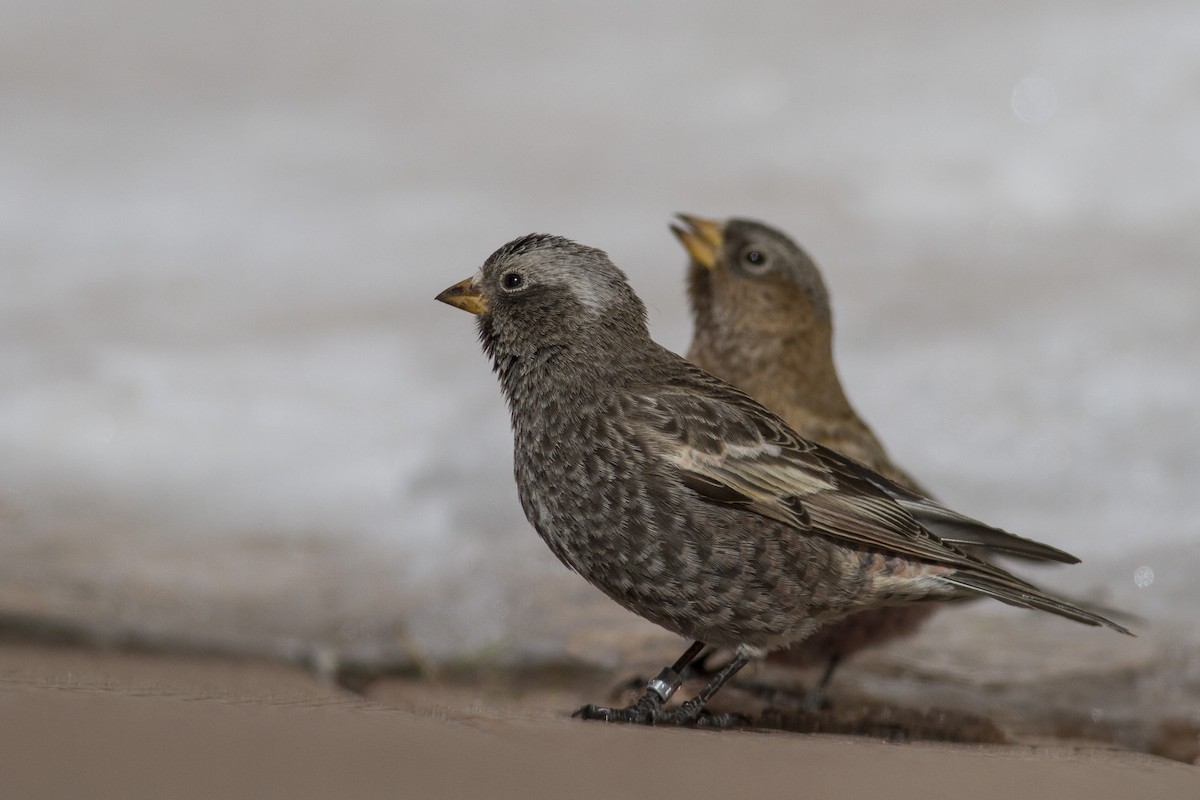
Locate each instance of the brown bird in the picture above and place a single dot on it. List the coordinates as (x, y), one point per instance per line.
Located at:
(763, 322)
(685, 500)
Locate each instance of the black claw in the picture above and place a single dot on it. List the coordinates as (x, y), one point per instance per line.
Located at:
(685, 715)
(630, 714)
(722, 721)
(604, 714)
(644, 712)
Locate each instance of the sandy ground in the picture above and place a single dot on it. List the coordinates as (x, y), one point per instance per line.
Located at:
(108, 724)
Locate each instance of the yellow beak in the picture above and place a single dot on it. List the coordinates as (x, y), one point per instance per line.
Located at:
(465, 295)
(702, 239)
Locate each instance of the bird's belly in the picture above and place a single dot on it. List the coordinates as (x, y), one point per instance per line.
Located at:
(727, 578)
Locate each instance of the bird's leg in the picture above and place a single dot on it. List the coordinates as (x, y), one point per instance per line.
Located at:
(648, 710)
(815, 699)
(667, 682)
(811, 701)
(691, 710)
(698, 668)
(650, 705)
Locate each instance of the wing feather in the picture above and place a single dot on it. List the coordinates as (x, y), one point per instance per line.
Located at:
(730, 450)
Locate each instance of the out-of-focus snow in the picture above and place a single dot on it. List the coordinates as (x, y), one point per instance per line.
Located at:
(230, 409)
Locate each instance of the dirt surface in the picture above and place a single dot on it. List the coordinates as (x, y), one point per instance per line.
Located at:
(85, 723)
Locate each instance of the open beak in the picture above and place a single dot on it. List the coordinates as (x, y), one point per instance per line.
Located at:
(702, 238)
(465, 295)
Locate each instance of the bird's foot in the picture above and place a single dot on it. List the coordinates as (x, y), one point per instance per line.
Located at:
(649, 711)
(707, 719)
(645, 711)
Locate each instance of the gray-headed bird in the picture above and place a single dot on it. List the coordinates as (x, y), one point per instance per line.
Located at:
(688, 502)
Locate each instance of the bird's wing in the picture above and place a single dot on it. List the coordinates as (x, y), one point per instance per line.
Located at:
(729, 449)
(952, 527)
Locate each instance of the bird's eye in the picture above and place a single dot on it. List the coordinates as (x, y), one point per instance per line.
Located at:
(755, 260)
(512, 280)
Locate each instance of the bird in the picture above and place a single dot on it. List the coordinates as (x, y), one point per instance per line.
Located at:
(685, 500)
(762, 320)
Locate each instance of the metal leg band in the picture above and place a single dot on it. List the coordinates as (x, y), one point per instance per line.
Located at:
(665, 684)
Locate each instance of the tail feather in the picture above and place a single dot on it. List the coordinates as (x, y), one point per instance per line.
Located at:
(1016, 592)
(953, 528)
(965, 532)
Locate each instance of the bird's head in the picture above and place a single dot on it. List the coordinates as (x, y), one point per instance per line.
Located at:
(744, 275)
(543, 293)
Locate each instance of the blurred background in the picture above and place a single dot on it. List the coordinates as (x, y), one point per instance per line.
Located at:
(233, 417)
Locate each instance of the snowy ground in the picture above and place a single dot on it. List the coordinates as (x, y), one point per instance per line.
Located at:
(230, 410)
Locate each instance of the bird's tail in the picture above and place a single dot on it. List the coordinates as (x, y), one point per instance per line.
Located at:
(1015, 592)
